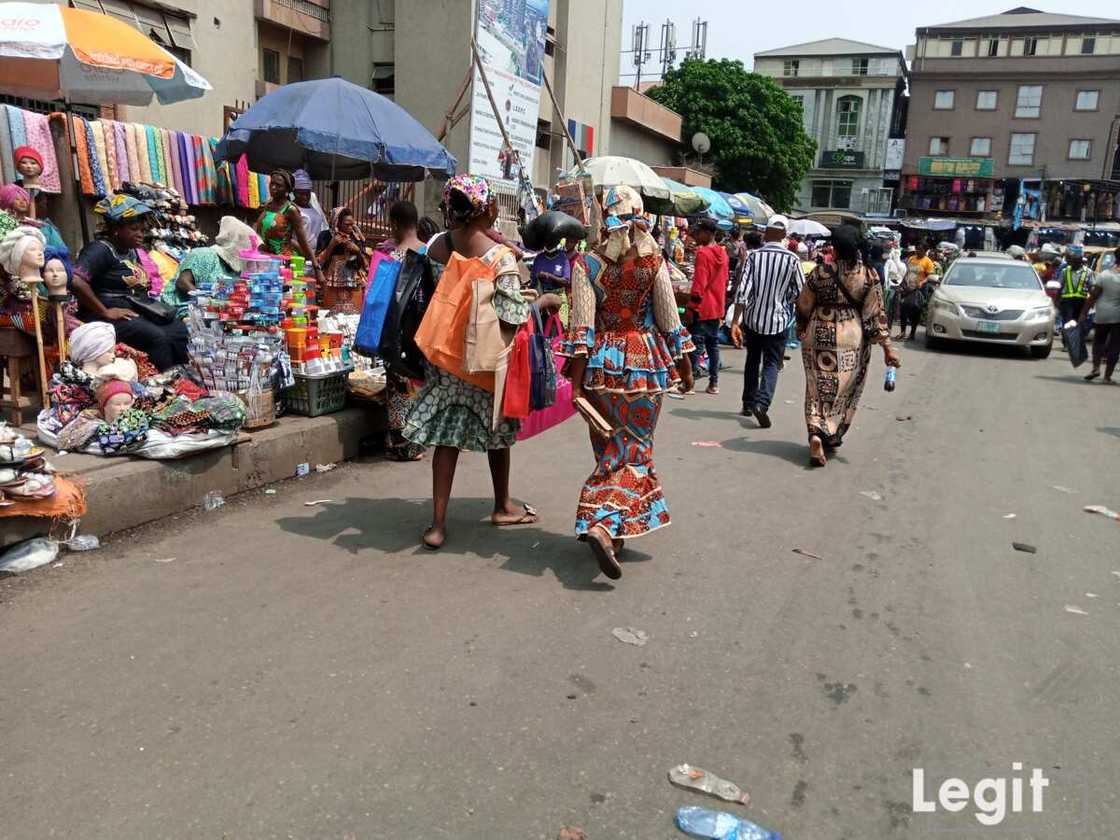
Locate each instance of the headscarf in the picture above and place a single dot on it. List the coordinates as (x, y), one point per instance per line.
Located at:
(301, 180)
(626, 224)
(234, 236)
(286, 177)
(111, 389)
(27, 152)
(14, 244)
(118, 208)
(91, 340)
(475, 189)
(9, 193)
(63, 256)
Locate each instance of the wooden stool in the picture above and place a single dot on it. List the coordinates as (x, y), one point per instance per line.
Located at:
(18, 349)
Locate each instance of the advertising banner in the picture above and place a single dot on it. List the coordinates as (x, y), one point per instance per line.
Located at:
(511, 39)
(953, 167)
(841, 159)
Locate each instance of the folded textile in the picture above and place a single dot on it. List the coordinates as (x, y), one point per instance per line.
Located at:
(81, 141)
(38, 128)
(7, 164)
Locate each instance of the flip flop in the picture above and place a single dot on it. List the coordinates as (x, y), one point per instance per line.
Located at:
(604, 555)
(528, 518)
(431, 546)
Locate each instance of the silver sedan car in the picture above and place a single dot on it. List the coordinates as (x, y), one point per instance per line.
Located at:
(992, 301)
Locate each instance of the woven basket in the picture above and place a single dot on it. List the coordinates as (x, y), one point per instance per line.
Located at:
(260, 409)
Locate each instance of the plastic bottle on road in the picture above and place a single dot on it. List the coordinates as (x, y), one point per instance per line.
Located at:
(687, 776)
(888, 383)
(719, 825)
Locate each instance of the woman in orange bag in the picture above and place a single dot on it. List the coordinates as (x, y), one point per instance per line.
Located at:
(454, 411)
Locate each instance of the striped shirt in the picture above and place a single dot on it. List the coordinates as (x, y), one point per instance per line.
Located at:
(772, 280)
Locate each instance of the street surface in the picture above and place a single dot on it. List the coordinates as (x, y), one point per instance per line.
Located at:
(271, 669)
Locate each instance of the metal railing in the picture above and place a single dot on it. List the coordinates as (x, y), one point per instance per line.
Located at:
(369, 200)
(308, 8)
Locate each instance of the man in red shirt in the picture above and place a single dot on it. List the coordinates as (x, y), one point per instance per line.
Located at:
(708, 301)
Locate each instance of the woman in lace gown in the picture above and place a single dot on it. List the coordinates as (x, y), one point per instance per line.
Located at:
(627, 348)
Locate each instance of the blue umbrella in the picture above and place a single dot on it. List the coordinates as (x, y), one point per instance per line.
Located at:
(718, 207)
(335, 130)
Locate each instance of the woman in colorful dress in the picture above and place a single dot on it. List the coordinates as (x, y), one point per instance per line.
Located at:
(281, 223)
(342, 254)
(454, 411)
(210, 263)
(840, 314)
(627, 348)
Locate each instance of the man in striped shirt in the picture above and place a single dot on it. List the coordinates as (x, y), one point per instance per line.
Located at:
(770, 284)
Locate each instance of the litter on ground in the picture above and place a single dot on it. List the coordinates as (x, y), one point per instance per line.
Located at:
(630, 636)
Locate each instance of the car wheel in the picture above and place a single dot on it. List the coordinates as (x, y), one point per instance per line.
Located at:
(1041, 352)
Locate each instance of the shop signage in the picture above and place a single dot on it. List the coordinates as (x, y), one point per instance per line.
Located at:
(896, 149)
(955, 167)
(841, 159)
(510, 39)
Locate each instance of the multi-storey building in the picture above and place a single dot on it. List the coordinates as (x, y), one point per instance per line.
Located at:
(1015, 114)
(853, 97)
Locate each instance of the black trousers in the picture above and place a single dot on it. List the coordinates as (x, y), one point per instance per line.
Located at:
(166, 345)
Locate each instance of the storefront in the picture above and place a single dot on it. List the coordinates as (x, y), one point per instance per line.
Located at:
(953, 185)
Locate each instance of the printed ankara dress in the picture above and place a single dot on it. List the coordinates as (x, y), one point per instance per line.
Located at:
(624, 319)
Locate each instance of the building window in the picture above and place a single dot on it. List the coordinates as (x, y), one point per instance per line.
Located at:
(1087, 100)
(295, 69)
(834, 194)
(1088, 45)
(980, 147)
(270, 66)
(1022, 150)
(550, 41)
(1030, 46)
(384, 79)
(847, 116)
(790, 67)
(938, 146)
(1029, 102)
(544, 134)
(1080, 149)
(956, 48)
(944, 100)
(993, 47)
(987, 100)
(859, 66)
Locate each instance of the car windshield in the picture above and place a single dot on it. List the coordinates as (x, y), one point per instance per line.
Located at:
(1010, 275)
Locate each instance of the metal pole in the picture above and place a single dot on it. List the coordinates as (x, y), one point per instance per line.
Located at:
(490, 95)
(563, 123)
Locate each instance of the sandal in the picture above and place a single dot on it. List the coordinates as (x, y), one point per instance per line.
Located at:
(1089, 377)
(527, 518)
(712, 389)
(816, 452)
(604, 555)
(429, 545)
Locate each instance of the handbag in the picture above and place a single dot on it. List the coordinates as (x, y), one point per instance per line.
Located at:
(542, 365)
(156, 311)
(484, 333)
(546, 418)
(384, 270)
(518, 381)
(415, 286)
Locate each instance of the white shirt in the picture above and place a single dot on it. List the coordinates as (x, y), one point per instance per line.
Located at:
(772, 280)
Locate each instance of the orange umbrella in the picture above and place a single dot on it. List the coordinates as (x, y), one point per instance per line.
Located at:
(54, 52)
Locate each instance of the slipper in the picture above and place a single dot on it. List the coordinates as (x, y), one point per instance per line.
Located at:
(618, 545)
(712, 389)
(608, 563)
(817, 458)
(1089, 377)
(528, 518)
(431, 546)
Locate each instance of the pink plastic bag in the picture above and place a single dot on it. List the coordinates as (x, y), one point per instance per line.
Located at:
(554, 415)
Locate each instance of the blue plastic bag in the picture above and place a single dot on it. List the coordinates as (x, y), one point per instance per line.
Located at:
(383, 274)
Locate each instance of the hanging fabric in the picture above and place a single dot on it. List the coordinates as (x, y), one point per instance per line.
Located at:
(99, 188)
(135, 159)
(15, 126)
(7, 165)
(38, 131)
(81, 144)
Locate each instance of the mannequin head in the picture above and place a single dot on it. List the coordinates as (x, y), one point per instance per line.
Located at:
(29, 164)
(57, 272)
(114, 398)
(93, 345)
(16, 200)
(21, 253)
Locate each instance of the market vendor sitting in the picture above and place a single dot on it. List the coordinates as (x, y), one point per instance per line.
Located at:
(111, 285)
(204, 266)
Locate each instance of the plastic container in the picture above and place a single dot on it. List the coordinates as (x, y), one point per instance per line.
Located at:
(889, 380)
(315, 395)
(720, 825)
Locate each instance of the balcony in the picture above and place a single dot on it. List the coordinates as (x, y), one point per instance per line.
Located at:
(639, 110)
(307, 17)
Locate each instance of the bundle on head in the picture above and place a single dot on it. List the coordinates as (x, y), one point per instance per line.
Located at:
(547, 230)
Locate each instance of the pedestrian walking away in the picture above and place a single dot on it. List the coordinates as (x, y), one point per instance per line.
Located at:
(910, 296)
(1105, 296)
(840, 315)
(772, 280)
(455, 410)
(626, 347)
(707, 302)
(1076, 279)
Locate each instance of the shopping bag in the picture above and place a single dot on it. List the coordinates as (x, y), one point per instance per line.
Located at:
(383, 271)
(484, 332)
(542, 365)
(415, 286)
(554, 415)
(518, 382)
(1075, 344)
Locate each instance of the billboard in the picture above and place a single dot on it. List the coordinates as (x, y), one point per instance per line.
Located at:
(511, 39)
(955, 167)
(896, 150)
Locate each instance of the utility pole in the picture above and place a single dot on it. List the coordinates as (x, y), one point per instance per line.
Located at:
(641, 54)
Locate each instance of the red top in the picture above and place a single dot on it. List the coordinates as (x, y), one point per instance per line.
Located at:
(709, 283)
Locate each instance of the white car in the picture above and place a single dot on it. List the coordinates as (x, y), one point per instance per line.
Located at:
(992, 301)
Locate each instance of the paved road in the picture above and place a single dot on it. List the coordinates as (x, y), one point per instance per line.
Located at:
(306, 672)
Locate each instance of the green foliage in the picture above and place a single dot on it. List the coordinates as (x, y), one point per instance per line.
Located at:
(758, 144)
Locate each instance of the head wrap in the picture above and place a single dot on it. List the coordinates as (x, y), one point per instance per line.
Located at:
(476, 190)
(27, 152)
(234, 236)
(63, 256)
(286, 177)
(91, 340)
(9, 193)
(624, 202)
(118, 208)
(301, 180)
(624, 216)
(110, 389)
(15, 243)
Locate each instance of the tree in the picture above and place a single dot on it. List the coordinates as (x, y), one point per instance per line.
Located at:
(758, 144)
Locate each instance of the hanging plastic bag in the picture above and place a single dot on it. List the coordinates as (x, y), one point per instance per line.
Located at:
(542, 365)
(383, 271)
(519, 378)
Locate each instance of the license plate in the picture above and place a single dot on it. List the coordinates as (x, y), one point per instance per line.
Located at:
(987, 326)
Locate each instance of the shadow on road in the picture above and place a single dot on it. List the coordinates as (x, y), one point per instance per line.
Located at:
(394, 526)
(1109, 430)
(966, 348)
(787, 450)
(704, 414)
(1070, 379)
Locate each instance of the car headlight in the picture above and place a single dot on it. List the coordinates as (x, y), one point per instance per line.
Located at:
(946, 306)
(1042, 311)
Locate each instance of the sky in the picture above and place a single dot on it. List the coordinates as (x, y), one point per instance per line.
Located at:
(740, 28)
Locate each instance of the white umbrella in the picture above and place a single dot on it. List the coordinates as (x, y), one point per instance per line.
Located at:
(611, 171)
(808, 227)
